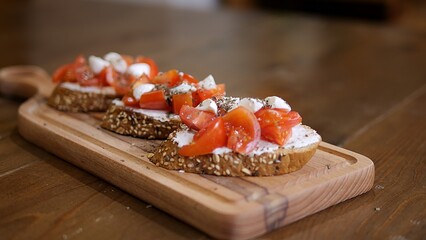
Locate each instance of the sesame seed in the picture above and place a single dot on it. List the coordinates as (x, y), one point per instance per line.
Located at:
(246, 171)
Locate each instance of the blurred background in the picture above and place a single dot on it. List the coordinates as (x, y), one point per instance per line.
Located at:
(367, 54)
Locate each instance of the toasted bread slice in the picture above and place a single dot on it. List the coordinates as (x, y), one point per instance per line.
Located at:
(70, 97)
(267, 160)
(142, 123)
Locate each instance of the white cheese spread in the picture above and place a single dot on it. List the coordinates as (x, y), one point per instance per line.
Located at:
(302, 136)
(97, 64)
(207, 83)
(117, 61)
(251, 104)
(183, 88)
(91, 89)
(160, 115)
(208, 105)
(138, 69)
(141, 89)
(277, 102)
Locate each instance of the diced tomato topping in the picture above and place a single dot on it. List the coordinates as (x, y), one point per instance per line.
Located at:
(83, 73)
(119, 81)
(169, 77)
(189, 78)
(154, 100)
(203, 94)
(243, 130)
(194, 118)
(141, 80)
(64, 73)
(277, 134)
(102, 77)
(130, 101)
(180, 100)
(153, 71)
(211, 137)
(276, 124)
(267, 117)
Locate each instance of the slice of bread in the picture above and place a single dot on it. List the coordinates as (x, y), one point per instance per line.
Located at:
(70, 97)
(149, 124)
(267, 160)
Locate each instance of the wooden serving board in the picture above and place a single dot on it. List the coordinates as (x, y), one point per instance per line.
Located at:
(223, 207)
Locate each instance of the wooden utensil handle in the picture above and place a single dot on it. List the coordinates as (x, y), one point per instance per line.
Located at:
(25, 81)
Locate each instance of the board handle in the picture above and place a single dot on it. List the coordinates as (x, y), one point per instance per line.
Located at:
(25, 81)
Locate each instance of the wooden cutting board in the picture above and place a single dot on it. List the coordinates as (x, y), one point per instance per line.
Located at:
(223, 207)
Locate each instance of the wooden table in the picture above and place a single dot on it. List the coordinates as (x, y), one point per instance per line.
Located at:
(362, 85)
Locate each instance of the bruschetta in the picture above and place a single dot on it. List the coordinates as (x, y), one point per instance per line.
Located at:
(87, 85)
(151, 109)
(238, 137)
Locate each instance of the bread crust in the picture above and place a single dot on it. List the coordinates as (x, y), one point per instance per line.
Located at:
(69, 100)
(280, 161)
(123, 120)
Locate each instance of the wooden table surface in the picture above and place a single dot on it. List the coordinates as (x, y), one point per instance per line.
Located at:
(361, 84)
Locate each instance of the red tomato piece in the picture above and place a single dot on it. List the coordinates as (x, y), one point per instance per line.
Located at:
(267, 117)
(153, 71)
(154, 100)
(276, 124)
(194, 118)
(120, 82)
(169, 77)
(64, 73)
(203, 94)
(211, 137)
(102, 77)
(180, 100)
(189, 78)
(130, 101)
(276, 134)
(243, 130)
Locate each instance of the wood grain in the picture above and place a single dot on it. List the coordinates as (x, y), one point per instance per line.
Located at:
(341, 76)
(232, 208)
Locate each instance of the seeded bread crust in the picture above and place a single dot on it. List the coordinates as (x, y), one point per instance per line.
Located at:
(68, 100)
(125, 121)
(278, 162)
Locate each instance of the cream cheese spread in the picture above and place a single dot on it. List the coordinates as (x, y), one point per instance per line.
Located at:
(89, 89)
(160, 115)
(302, 136)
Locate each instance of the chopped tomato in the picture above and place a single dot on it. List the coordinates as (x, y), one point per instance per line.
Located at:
(276, 134)
(211, 137)
(203, 94)
(276, 124)
(189, 78)
(141, 80)
(118, 81)
(195, 118)
(291, 118)
(64, 73)
(153, 68)
(267, 117)
(130, 101)
(102, 77)
(83, 73)
(243, 130)
(154, 100)
(180, 100)
(169, 77)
